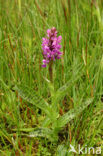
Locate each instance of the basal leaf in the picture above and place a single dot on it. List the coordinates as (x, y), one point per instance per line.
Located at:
(62, 91)
(50, 86)
(67, 117)
(32, 97)
(43, 132)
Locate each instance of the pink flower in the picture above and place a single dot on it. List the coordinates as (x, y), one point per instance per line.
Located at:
(51, 46)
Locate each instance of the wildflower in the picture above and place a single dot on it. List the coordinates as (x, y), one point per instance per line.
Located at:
(51, 46)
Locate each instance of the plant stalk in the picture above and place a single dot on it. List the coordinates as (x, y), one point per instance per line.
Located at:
(51, 71)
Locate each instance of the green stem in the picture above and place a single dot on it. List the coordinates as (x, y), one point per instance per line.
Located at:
(51, 71)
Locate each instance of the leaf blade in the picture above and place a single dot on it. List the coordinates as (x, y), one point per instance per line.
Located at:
(67, 117)
(31, 96)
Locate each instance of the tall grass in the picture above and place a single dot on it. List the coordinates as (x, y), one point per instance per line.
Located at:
(22, 26)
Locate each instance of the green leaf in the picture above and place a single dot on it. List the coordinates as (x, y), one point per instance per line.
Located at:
(38, 132)
(32, 97)
(45, 133)
(62, 91)
(24, 129)
(50, 86)
(46, 122)
(67, 117)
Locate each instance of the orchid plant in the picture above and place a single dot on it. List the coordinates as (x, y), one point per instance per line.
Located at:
(54, 121)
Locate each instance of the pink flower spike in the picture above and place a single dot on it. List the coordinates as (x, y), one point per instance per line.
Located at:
(51, 46)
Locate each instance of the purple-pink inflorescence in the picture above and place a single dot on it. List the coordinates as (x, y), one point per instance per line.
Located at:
(51, 46)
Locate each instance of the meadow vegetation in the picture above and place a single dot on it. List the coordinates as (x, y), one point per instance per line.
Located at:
(39, 117)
